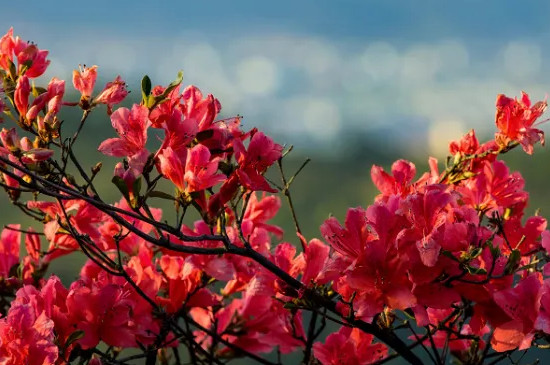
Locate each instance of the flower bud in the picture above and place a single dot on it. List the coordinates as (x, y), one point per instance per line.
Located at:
(36, 155)
(26, 144)
(21, 97)
(9, 139)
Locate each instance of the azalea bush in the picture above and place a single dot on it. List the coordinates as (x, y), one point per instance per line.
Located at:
(440, 267)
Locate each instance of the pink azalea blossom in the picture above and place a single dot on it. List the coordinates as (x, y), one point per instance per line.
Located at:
(84, 80)
(10, 240)
(108, 309)
(84, 218)
(203, 111)
(131, 126)
(167, 109)
(30, 60)
(179, 132)
(261, 153)
(521, 305)
(259, 211)
(515, 120)
(52, 98)
(172, 167)
(27, 333)
(130, 243)
(113, 93)
(184, 279)
(349, 346)
(21, 96)
(200, 169)
(494, 188)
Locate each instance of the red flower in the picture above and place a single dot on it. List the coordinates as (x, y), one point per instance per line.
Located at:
(494, 188)
(200, 169)
(196, 173)
(53, 98)
(21, 97)
(349, 346)
(131, 126)
(31, 60)
(183, 281)
(113, 93)
(84, 80)
(108, 309)
(262, 152)
(9, 250)
(258, 212)
(515, 119)
(521, 305)
(203, 111)
(27, 332)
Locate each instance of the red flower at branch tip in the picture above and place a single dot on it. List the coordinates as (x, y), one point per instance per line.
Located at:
(84, 80)
(31, 61)
(113, 93)
(262, 152)
(515, 121)
(203, 111)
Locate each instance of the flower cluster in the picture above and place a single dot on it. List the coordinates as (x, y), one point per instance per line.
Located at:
(452, 250)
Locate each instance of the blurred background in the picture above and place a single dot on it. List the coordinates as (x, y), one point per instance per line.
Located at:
(348, 83)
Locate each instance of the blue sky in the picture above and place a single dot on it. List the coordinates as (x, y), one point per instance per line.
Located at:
(312, 70)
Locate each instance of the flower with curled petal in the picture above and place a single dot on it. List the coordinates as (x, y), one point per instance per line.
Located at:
(515, 120)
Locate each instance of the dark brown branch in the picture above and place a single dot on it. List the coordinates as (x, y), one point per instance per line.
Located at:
(53, 189)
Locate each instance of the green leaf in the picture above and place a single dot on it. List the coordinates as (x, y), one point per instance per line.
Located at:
(145, 88)
(160, 98)
(37, 90)
(122, 187)
(13, 69)
(513, 261)
(173, 84)
(476, 252)
(450, 255)
(476, 270)
(204, 135)
(409, 314)
(161, 195)
(26, 65)
(225, 167)
(136, 188)
(495, 250)
(290, 305)
(75, 336)
(152, 101)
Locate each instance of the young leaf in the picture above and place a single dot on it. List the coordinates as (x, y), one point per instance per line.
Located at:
(121, 185)
(145, 88)
(161, 195)
(513, 261)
